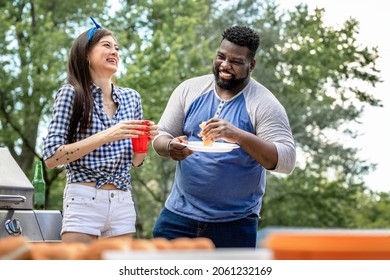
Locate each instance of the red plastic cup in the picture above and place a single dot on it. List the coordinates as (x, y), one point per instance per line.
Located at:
(140, 144)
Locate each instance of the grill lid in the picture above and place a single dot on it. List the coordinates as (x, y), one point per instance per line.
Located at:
(16, 190)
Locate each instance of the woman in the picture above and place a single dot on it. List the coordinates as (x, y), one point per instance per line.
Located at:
(90, 134)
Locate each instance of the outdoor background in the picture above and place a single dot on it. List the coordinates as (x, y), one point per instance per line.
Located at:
(325, 75)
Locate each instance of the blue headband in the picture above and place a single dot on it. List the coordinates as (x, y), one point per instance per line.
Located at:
(93, 29)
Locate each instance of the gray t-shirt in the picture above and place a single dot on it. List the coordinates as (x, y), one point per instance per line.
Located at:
(220, 187)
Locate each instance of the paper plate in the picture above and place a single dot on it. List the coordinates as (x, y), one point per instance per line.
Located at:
(217, 147)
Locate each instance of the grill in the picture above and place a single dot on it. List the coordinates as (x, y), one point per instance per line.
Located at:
(17, 216)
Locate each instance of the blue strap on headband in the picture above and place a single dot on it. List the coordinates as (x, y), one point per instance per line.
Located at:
(93, 29)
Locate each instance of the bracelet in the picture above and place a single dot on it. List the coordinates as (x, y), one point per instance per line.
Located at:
(132, 164)
(168, 151)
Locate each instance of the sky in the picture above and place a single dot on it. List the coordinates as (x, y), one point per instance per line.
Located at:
(373, 17)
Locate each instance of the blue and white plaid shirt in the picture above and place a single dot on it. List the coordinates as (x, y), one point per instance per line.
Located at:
(108, 164)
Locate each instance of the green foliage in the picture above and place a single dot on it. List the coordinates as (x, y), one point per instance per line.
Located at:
(306, 200)
(163, 47)
(373, 210)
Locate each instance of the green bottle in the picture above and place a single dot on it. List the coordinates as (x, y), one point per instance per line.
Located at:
(39, 187)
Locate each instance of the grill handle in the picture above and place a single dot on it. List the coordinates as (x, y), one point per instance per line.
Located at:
(12, 198)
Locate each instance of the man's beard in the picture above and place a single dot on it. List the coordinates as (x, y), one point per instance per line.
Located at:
(227, 84)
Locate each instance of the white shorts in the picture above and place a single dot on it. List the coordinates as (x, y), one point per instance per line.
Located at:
(97, 212)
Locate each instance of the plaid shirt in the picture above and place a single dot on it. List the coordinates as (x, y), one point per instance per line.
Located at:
(108, 164)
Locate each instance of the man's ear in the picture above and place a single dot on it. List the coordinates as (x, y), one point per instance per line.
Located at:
(252, 65)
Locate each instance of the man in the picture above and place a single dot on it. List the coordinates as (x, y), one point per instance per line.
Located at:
(218, 195)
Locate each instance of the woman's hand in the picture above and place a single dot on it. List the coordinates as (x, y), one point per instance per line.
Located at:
(152, 130)
(131, 129)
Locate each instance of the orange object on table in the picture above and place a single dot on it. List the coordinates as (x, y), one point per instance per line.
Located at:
(329, 245)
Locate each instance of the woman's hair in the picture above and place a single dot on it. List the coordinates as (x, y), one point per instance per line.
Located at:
(80, 78)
